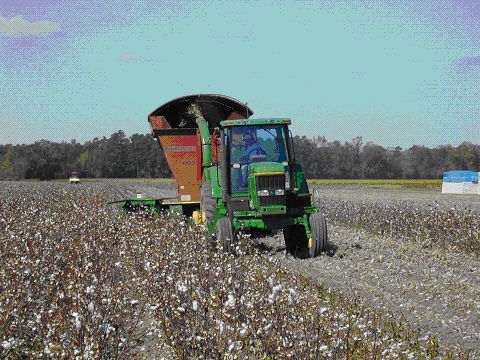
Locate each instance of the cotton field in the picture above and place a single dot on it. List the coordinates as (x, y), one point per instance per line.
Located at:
(79, 280)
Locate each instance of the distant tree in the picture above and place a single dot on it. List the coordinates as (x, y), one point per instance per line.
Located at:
(468, 155)
(374, 162)
(6, 170)
(304, 148)
(420, 163)
(395, 160)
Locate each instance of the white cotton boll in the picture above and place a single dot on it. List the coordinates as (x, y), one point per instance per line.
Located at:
(323, 310)
(231, 302)
(181, 287)
(195, 305)
(277, 288)
(74, 314)
(78, 323)
(91, 307)
(180, 309)
(134, 302)
(243, 332)
(90, 290)
(7, 345)
(221, 325)
(323, 348)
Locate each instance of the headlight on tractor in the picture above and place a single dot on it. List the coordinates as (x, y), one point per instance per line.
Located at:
(263, 193)
(278, 192)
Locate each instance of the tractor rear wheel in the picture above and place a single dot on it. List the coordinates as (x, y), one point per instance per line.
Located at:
(226, 235)
(318, 228)
(209, 204)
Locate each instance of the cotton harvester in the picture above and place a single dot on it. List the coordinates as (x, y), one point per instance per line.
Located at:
(234, 173)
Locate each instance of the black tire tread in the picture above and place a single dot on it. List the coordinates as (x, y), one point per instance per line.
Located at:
(225, 235)
(209, 203)
(318, 227)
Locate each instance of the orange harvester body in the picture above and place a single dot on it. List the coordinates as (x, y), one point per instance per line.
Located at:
(174, 126)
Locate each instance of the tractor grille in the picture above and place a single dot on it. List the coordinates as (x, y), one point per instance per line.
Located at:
(271, 183)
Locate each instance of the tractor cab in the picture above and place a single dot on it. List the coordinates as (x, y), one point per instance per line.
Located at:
(257, 162)
(254, 148)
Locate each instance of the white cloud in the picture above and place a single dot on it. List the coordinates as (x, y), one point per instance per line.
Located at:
(126, 57)
(18, 26)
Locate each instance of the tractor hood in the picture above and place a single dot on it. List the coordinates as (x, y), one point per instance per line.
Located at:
(182, 112)
(264, 168)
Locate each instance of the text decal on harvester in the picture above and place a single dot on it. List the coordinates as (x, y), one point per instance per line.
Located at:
(179, 148)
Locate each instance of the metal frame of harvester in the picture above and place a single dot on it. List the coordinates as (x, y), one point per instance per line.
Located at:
(198, 134)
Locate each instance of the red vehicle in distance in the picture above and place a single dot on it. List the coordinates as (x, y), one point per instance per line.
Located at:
(74, 177)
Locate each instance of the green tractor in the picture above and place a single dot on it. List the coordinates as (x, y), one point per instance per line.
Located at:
(233, 174)
(252, 183)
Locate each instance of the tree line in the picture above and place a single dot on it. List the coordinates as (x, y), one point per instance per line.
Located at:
(322, 159)
(139, 156)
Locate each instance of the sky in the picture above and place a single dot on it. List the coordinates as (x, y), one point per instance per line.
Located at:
(397, 73)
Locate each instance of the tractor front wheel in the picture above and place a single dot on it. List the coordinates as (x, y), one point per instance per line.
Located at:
(318, 228)
(226, 235)
(297, 243)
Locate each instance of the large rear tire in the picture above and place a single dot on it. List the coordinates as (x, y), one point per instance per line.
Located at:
(226, 235)
(318, 228)
(209, 205)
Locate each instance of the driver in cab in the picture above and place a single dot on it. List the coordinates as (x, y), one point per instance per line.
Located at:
(253, 151)
(249, 150)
